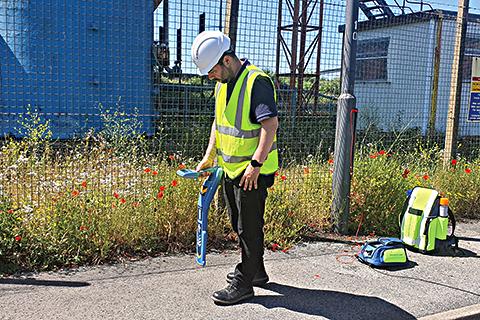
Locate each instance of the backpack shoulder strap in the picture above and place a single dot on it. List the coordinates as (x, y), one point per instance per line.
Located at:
(452, 240)
(402, 213)
(451, 217)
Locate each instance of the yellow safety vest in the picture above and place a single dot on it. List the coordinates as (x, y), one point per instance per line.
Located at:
(236, 136)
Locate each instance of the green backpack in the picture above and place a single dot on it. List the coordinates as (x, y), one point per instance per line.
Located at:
(424, 226)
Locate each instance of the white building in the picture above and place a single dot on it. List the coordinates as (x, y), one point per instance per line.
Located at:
(396, 59)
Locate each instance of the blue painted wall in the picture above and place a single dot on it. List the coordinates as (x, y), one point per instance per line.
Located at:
(65, 57)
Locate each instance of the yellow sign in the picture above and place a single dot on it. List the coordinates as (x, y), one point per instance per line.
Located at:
(475, 86)
(474, 105)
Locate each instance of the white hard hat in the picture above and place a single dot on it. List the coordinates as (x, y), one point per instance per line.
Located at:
(207, 49)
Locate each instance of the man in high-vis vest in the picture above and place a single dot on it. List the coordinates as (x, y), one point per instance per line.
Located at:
(243, 139)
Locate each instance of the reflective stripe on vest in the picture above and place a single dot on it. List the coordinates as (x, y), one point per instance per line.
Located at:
(236, 136)
(238, 159)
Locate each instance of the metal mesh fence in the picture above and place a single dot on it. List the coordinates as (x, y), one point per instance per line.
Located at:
(404, 69)
(73, 62)
(307, 127)
(121, 96)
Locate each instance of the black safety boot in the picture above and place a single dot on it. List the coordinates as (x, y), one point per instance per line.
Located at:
(260, 279)
(232, 294)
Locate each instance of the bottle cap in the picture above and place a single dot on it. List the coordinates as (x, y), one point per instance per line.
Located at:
(444, 201)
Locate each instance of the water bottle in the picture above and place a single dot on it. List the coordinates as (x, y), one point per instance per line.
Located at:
(443, 207)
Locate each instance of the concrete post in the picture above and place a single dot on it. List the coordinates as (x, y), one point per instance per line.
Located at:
(344, 135)
(456, 84)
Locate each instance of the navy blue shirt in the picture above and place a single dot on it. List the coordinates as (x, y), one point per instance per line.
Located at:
(262, 103)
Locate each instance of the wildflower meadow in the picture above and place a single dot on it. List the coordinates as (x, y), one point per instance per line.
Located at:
(115, 194)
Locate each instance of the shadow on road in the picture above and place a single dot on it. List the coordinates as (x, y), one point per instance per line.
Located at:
(48, 283)
(458, 253)
(429, 282)
(469, 239)
(466, 253)
(330, 304)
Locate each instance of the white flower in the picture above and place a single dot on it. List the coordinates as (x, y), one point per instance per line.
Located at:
(22, 159)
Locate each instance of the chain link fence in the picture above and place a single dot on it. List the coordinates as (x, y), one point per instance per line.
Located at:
(404, 70)
(109, 91)
(75, 61)
(307, 118)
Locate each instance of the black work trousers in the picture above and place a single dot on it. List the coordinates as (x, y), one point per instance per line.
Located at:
(246, 210)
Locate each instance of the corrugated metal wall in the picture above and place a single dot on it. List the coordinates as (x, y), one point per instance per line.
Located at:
(67, 57)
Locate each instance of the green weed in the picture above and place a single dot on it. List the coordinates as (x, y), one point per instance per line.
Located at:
(112, 195)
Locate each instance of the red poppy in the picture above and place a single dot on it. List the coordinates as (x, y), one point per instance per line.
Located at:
(275, 247)
(83, 228)
(454, 162)
(306, 170)
(155, 172)
(330, 161)
(116, 195)
(426, 177)
(160, 195)
(18, 238)
(171, 157)
(381, 152)
(405, 173)
(174, 183)
(10, 211)
(123, 200)
(373, 156)
(181, 166)
(162, 188)
(468, 170)
(84, 184)
(147, 170)
(75, 193)
(276, 173)
(283, 177)
(285, 250)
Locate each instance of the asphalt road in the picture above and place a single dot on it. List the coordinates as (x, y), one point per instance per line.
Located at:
(319, 280)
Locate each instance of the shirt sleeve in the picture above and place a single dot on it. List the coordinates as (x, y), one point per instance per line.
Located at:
(263, 105)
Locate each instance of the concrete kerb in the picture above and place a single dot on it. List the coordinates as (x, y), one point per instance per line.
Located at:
(465, 313)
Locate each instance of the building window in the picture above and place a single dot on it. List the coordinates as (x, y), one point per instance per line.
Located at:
(372, 57)
(472, 49)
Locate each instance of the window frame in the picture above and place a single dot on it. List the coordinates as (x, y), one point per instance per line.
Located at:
(379, 54)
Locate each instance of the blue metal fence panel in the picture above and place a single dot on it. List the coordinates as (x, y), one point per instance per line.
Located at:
(64, 58)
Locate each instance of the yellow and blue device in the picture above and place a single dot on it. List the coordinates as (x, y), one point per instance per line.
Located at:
(205, 197)
(384, 253)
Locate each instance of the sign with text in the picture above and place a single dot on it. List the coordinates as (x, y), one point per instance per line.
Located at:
(474, 106)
